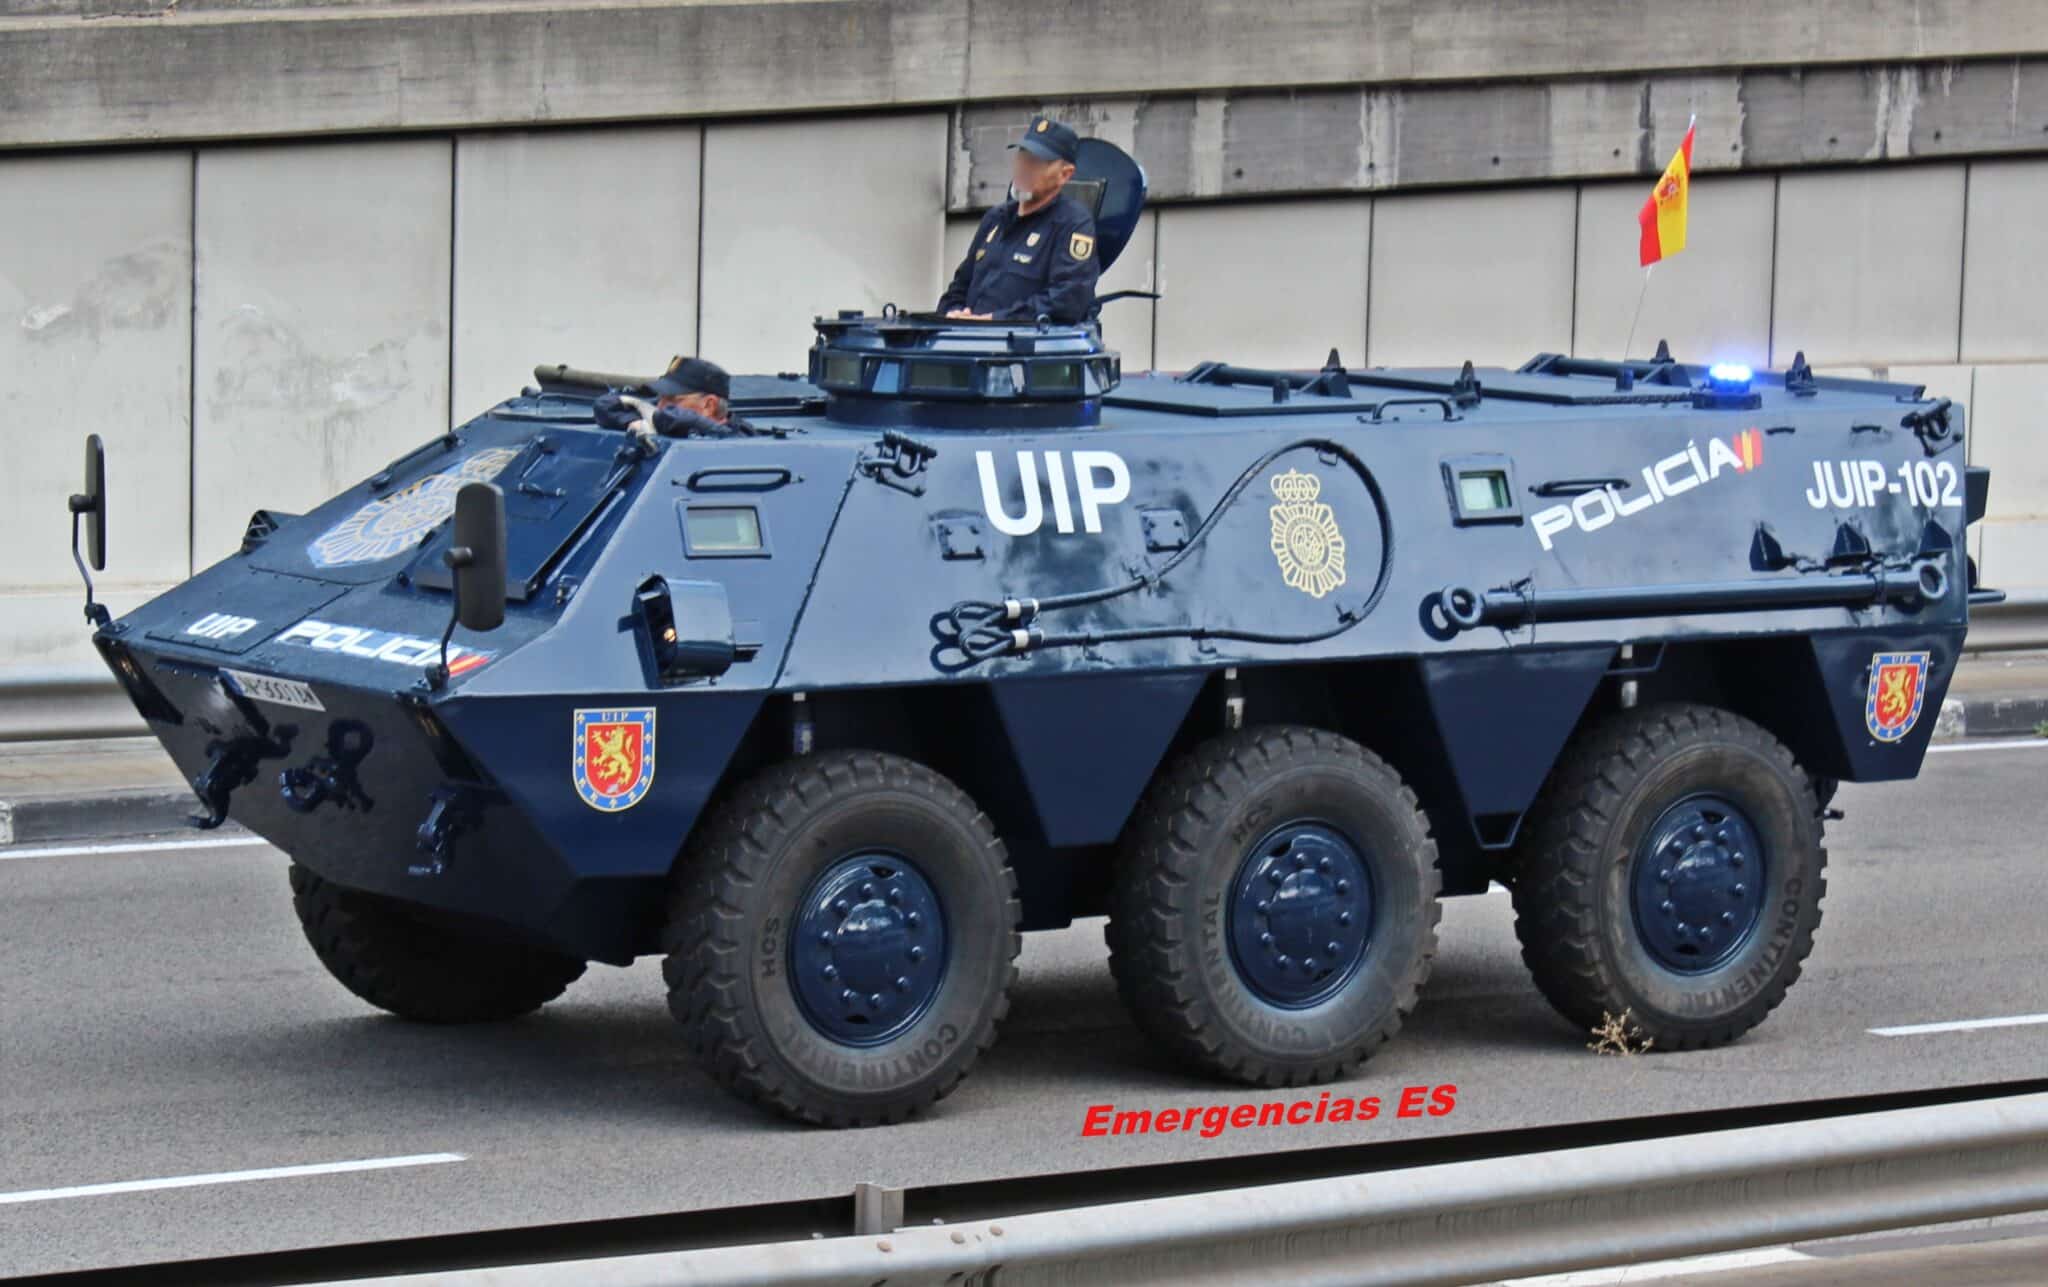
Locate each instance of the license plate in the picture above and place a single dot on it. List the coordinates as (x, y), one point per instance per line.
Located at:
(269, 688)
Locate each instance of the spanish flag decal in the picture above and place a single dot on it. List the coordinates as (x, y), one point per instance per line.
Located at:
(1663, 215)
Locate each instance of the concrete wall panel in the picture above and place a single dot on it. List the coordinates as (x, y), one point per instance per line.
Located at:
(322, 322)
(95, 315)
(1270, 285)
(1480, 276)
(575, 246)
(1869, 265)
(2005, 267)
(2005, 429)
(806, 219)
(1712, 301)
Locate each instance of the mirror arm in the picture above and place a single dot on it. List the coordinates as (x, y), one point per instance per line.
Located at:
(95, 613)
(458, 558)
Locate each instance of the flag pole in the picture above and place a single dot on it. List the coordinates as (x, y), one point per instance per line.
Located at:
(1647, 268)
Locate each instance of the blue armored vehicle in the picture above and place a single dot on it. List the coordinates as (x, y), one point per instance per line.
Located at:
(970, 635)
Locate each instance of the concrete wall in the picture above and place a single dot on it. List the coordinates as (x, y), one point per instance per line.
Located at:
(260, 325)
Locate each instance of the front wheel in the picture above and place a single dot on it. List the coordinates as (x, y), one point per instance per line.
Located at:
(1672, 877)
(842, 938)
(1275, 908)
(389, 955)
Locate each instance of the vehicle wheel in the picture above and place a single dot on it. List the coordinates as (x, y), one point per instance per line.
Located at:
(385, 953)
(1275, 907)
(1673, 872)
(842, 938)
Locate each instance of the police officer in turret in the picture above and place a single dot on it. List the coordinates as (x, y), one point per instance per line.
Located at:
(1034, 255)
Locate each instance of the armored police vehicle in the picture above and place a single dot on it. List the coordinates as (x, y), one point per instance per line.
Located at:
(969, 635)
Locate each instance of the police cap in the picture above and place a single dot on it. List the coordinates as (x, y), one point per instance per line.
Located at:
(691, 375)
(1049, 140)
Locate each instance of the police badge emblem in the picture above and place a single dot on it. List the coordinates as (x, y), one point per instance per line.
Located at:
(1081, 245)
(1307, 542)
(394, 524)
(613, 761)
(1032, 240)
(1898, 689)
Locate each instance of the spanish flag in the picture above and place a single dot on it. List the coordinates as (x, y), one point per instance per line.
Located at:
(1663, 215)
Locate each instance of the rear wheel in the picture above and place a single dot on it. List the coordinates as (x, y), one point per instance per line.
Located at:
(1673, 874)
(842, 938)
(1275, 909)
(389, 955)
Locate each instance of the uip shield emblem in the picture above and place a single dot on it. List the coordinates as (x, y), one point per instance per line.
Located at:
(1898, 689)
(613, 762)
(394, 524)
(1307, 542)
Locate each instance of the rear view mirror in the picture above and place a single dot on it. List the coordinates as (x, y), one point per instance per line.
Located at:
(91, 504)
(477, 556)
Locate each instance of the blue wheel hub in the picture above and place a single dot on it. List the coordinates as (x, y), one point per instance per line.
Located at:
(1697, 887)
(1300, 915)
(869, 948)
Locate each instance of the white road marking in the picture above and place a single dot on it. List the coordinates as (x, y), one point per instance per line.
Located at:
(9, 852)
(1650, 1271)
(229, 1177)
(1961, 1025)
(2002, 744)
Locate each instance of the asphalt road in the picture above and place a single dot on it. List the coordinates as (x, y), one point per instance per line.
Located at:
(160, 1017)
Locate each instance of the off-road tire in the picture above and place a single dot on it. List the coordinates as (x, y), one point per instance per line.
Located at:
(1182, 850)
(396, 960)
(1571, 894)
(736, 891)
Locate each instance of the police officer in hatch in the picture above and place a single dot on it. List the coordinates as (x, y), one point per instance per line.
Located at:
(693, 398)
(1034, 254)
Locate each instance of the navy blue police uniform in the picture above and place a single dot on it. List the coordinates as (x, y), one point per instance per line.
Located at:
(1021, 267)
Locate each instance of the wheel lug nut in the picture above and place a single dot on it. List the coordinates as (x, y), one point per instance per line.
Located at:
(1682, 930)
(1706, 935)
(1331, 947)
(867, 889)
(1276, 875)
(912, 920)
(1664, 875)
(902, 984)
(1323, 865)
(1735, 859)
(1739, 890)
(831, 971)
(1265, 906)
(1309, 965)
(1727, 918)
(1300, 861)
(916, 955)
(896, 897)
(875, 1000)
(848, 996)
(842, 907)
(1265, 940)
(1343, 886)
(1666, 907)
(1343, 918)
(825, 937)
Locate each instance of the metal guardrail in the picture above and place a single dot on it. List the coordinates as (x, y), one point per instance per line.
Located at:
(1458, 1222)
(2021, 622)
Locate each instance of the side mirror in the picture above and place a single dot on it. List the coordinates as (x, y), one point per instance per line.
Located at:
(476, 555)
(89, 510)
(91, 504)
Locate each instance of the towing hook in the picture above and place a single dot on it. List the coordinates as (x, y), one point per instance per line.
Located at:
(1462, 606)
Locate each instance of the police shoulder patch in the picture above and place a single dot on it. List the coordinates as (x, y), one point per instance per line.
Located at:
(1081, 245)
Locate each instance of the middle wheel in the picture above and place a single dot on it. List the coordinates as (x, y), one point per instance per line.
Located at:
(1276, 906)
